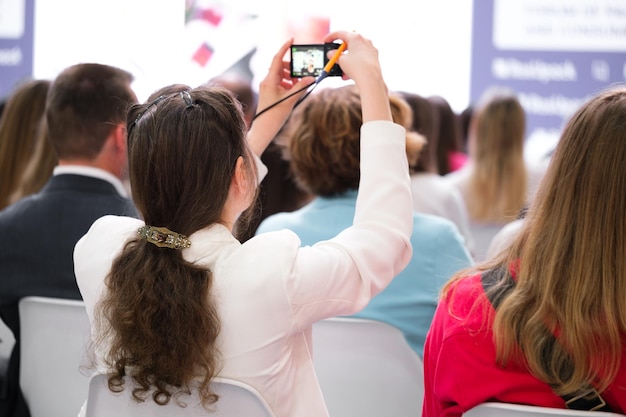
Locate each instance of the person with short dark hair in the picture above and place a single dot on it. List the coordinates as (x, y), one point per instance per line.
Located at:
(85, 114)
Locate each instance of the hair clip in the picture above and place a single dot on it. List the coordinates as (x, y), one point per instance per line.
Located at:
(187, 97)
(163, 237)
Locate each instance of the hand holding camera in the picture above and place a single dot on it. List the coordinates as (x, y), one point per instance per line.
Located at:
(310, 60)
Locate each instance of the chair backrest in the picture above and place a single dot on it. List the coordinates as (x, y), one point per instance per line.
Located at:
(493, 409)
(54, 334)
(236, 400)
(366, 368)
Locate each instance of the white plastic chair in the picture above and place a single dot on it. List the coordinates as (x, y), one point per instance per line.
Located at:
(53, 340)
(367, 369)
(236, 400)
(493, 409)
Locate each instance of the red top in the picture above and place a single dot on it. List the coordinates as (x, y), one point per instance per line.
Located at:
(459, 361)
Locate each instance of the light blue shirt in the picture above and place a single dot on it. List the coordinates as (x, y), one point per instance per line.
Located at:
(409, 302)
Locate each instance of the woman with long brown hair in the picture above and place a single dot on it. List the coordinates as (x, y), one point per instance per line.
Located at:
(175, 299)
(544, 322)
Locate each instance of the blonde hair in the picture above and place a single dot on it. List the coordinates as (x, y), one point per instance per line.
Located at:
(570, 258)
(497, 150)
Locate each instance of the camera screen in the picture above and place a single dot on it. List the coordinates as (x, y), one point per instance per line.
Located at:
(307, 60)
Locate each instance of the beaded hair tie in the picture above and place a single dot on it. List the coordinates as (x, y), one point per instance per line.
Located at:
(164, 237)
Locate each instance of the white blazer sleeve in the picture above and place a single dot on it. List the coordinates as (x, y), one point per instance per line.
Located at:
(341, 275)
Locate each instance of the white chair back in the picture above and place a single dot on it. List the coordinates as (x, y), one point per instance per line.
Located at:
(367, 369)
(493, 409)
(236, 400)
(53, 340)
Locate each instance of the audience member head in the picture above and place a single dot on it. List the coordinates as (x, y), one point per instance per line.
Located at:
(496, 148)
(86, 112)
(448, 139)
(20, 127)
(322, 140)
(243, 91)
(185, 148)
(425, 122)
(569, 257)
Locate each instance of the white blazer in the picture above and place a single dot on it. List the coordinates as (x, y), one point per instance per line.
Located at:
(270, 290)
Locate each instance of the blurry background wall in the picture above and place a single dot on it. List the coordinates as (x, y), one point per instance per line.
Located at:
(553, 52)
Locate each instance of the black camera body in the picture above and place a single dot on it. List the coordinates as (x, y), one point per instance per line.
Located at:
(310, 60)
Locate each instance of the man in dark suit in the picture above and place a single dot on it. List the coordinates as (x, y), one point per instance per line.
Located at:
(86, 120)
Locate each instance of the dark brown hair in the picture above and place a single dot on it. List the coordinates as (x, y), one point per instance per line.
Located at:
(426, 122)
(85, 103)
(243, 91)
(158, 311)
(448, 133)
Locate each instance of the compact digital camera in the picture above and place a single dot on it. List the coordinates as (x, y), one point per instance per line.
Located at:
(310, 60)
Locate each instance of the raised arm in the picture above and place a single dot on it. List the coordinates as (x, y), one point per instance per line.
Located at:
(361, 65)
(340, 275)
(276, 86)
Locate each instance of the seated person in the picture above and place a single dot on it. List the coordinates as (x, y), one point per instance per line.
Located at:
(544, 321)
(321, 141)
(174, 299)
(497, 182)
(86, 126)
